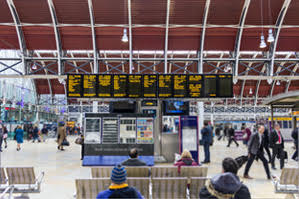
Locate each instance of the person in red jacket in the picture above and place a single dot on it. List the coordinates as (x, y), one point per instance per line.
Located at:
(186, 160)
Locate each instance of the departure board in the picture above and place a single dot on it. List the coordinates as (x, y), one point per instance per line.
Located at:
(179, 85)
(210, 86)
(165, 86)
(74, 85)
(89, 85)
(195, 87)
(225, 88)
(135, 86)
(150, 85)
(120, 86)
(105, 86)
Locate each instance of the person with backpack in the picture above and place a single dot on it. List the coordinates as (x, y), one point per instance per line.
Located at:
(119, 188)
(1, 135)
(295, 137)
(44, 133)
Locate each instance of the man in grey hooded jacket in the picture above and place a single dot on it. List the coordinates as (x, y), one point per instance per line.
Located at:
(226, 185)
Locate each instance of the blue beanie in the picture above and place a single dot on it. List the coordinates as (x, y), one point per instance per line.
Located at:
(118, 174)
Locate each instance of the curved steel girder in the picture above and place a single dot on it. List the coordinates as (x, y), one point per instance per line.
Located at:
(289, 82)
(239, 35)
(20, 34)
(278, 25)
(46, 72)
(94, 43)
(202, 38)
(57, 35)
(166, 37)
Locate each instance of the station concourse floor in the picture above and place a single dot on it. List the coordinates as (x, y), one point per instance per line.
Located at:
(63, 167)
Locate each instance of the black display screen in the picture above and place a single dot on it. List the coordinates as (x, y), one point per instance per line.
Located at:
(120, 86)
(195, 86)
(180, 86)
(89, 85)
(150, 86)
(175, 108)
(74, 85)
(225, 88)
(135, 86)
(210, 86)
(165, 86)
(105, 86)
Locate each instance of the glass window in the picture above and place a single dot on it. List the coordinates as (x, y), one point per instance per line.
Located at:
(285, 124)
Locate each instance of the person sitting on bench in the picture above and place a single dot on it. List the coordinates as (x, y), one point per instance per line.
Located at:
(133, 160)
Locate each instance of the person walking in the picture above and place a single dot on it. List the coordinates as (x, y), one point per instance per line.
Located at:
(35, 134)
(44, 133)
(1, 135)
(277, 145)
(19, 137)
(295, 137)
(5, 135)
(266, 144)
(61, 135)
(231, 134)
(206, 141)
(255, 149)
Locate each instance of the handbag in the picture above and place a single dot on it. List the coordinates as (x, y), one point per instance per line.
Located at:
(65, 143)
(79, 140)
(200, 142)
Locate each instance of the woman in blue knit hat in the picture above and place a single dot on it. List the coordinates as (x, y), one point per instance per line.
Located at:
(119, 188)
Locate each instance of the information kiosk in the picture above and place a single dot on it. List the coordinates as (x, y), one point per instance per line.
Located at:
(109, 138)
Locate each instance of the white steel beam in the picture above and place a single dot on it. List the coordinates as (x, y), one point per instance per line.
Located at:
(94, 42)
(239, 35)
(166, 37)
(20, 34)
(203, 36)
(276, 33)
(46, 73)
(57, 35)
(130, 36)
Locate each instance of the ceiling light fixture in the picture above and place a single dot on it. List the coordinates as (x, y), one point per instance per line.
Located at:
(270, 36)
(263, 43)
(34, 67)
(250, 91)
(278, 83)
(125, 36)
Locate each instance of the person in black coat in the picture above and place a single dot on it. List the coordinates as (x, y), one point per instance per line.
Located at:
(277, 145)
(231, 135)
(133, 160)
(225, 185)
(266, 143)
(295, 137)
(255, 149)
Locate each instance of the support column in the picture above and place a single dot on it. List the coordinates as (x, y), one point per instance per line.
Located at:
(272, 122)
(95, 106)
(200, 109)
(158, 129)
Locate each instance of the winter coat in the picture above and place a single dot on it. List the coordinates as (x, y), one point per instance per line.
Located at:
(185, 162)
(225, 186)
(120, 191)
(61, 134)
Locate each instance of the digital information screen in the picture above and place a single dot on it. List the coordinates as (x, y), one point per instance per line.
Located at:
(195, 87)
(225, 86)
(210, 86)
(74, 86)
(150, 86)
(120, 86)
(105, 86)
(180, 86)
(135, 86)
(165, 86)
(89, 85)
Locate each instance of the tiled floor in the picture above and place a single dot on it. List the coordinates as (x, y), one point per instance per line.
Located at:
(63, 167)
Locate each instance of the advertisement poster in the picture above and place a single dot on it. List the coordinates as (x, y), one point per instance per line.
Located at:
(145, 133)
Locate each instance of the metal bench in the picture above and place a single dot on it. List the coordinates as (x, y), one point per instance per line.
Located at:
(164, 172)
(102, 172)
(169, 188)
(193, 171)
(3, 180)
(196, 184)
(24, 180)
(89, 188)
(9, 190)
(288, 181)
